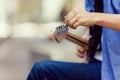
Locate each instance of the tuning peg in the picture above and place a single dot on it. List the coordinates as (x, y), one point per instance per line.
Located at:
(61, 29)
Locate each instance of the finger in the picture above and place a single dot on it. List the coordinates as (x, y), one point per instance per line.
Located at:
(78, 23)
(80, 49)
(67, 22)
(66, 19)
(80, 55)
(71, 14)
(74, 20)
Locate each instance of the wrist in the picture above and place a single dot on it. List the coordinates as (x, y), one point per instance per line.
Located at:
(96, 18)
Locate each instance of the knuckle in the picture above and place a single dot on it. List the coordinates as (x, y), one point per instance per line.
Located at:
(70, 22)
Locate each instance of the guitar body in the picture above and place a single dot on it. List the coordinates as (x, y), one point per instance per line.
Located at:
(61, 33)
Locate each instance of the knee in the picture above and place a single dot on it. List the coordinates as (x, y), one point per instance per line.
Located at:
(38, 70)
(42, 64)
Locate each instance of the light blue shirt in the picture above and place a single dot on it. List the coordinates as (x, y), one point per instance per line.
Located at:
(110, 42)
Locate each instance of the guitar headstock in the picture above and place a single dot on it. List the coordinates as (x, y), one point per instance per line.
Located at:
(60, 33)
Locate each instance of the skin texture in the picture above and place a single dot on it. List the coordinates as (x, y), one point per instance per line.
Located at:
(81, 52)
(77, 18)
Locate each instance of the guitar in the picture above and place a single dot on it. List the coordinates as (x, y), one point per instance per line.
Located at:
(61, 33)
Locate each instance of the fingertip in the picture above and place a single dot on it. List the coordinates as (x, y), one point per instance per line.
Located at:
(65, 17)
(74, 27)
(65, 21)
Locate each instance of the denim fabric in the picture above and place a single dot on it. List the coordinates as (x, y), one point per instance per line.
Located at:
(55, 70)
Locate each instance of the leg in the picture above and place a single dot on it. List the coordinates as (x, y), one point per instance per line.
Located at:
(54, 70)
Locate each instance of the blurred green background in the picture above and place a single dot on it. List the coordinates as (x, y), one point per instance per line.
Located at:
(25, 26)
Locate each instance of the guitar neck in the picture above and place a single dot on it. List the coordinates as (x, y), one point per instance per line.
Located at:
(77, 40)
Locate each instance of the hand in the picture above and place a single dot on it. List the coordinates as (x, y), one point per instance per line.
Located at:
(77, 18)
(81, 52)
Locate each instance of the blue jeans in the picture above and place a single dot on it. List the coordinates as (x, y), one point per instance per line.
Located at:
(55, 70)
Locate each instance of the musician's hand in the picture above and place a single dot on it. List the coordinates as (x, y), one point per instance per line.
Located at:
(81, 52)
(77, 18)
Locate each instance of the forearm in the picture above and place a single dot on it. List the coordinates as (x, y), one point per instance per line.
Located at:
(81, 18)
(111, 21)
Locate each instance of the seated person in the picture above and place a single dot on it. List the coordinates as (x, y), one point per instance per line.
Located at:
(56, 70)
